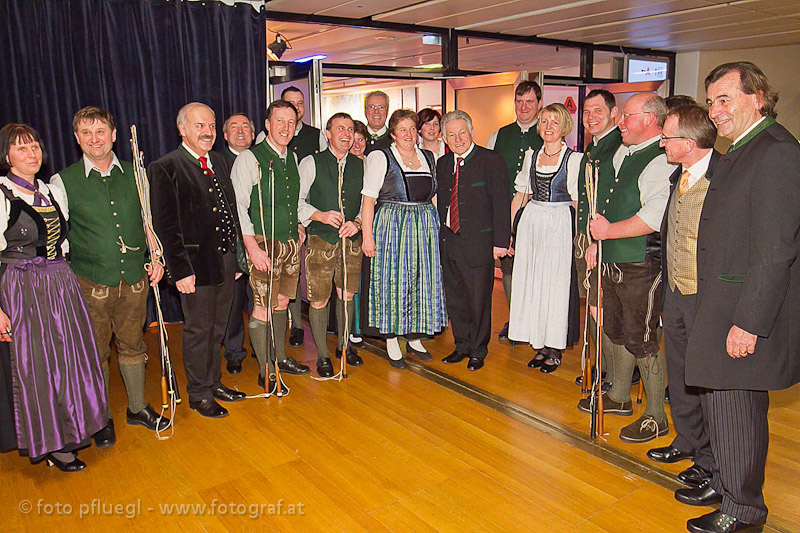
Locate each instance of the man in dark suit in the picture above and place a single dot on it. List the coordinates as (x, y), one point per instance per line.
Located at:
(193, 214)
(744, 340)
(688, 139)
(238, 132)
(474, 205)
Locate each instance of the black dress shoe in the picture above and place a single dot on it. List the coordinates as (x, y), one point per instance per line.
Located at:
(694, 476)
(224, 394)
(148, 418)
(208, 408)
(699, 496)
(474, 363)
(422, 356)
(324, 367)
(352, 356)
(538, 359)
(503, 335)
(666, 394)
(234, 367)
(296, 337)
(552, 362)
(291, 366)
(106, 437)
(668, 454)
(719, 522)
(76, 465)
(455, 357)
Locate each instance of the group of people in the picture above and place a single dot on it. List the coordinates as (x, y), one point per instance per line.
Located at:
(401, 224)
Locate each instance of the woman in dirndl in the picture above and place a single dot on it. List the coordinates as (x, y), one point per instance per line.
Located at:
(58, 391)
(401, 235)
(544, 299)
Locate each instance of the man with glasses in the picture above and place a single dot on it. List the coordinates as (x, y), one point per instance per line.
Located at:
(688, 139)
(629, 214)
(376, 109)
(512, 141)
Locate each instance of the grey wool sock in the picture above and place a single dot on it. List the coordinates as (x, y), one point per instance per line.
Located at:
(653, 370)
(279, 320)
(133, 377)
(623, 362)
(259, 339)
(319, 329)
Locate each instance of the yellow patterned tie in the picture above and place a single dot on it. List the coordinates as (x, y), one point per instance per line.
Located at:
(683, 184)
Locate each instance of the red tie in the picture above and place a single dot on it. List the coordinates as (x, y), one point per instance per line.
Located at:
(455, 224)
(204, 163)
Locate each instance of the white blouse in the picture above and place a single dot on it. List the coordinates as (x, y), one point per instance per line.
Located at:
(377, 165)
(522, 182)
(5, 207)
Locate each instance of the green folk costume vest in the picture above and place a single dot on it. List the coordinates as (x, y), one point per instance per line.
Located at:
(621, 200)
(106, 237)
(306, 142)
(512, 144)
(324, 194)
(601, 157)
(287, 191)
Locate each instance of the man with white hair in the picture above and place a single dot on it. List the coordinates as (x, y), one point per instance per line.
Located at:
(475, 209)
(194, 215)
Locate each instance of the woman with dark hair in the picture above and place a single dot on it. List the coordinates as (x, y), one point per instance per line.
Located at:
(359, 140)
(58, 390)
(544, 300)
(406, 297)
(430, 132)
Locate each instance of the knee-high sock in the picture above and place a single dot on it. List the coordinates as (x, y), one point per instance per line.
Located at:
(259, 340)
(133, 377)
(295, 311)
(279, 320)
(319, 327)
(653, 369)
(351, 312)
(507, 287)
(623, 362)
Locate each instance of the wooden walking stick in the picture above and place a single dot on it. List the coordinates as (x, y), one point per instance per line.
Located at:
(592, 183)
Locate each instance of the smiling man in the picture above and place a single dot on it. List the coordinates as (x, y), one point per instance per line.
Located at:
(271, 163)
(107, 253)
(743, 343)
(194, 215)
(332, 213)
(474, 205)
(512, 141)
(376, 110)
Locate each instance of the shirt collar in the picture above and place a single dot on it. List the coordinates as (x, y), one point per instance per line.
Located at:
(529, 126)
(234, 152)
(297, 128)
(597, 139)
(748, 130)
(641, 146)
(88, 166)
(276, 150)
(380, 132)
(701, 167)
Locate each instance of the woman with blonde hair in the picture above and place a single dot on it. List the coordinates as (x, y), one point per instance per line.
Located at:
(544, 280)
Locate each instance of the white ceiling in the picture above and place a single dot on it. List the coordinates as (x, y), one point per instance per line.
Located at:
(673, 25)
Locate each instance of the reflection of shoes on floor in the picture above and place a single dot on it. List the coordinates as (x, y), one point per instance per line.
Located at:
(610, 407)
(503, 335)
(700, 496)
(668, 454)
(644, 429)
(296, 337)
(398, 363)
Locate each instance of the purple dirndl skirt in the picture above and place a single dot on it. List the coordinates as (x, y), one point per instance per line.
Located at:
(59, 393)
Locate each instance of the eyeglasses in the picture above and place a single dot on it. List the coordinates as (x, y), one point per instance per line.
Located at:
(664, 138)
(376, 107)
(626, 115)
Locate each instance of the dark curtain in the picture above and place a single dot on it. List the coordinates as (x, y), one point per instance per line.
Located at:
(140, 59)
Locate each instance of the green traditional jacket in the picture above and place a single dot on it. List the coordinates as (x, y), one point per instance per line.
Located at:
(324, 193)
(106, 236)
(287, 191)
(512, 144)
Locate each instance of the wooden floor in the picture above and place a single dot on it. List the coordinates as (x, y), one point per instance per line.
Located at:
(384, 449)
